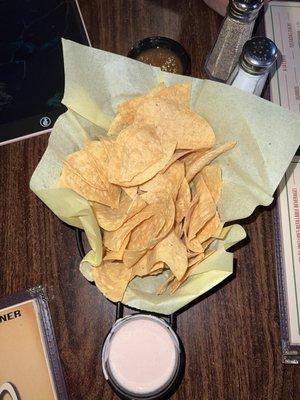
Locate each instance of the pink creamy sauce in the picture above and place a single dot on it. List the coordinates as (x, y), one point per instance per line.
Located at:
(142, 356)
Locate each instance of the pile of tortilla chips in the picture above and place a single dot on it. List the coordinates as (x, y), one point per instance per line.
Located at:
(152, 188)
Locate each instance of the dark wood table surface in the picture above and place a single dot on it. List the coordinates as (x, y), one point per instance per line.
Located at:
(231, 336)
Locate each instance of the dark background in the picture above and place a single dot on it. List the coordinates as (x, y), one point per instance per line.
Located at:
(231, 336)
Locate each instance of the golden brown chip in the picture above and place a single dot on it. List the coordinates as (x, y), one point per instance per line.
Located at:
(157, 269)
(142, 268)
(178, 229)
(172, 252)
(179, 93)
(141, 238)
(111, 219)
(113, 240)
(138, 155)
(210, 229)
(164, 206)
(174, 284)
(156, 272)
(176, 123)
(117, 255)
(183, 201)
(195, 260)
(169, 181)
(112, 279)
(136, 149)
(80, 174)
(131, 257)
(212, 176)
(164, 212)
(194, 245)
(204, 210)
(176, 156)
(196, 161)
(131, 191)
(186, 221)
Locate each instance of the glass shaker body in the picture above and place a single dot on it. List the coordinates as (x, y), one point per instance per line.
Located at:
(247, 82)
(227, 49)
(257, 58)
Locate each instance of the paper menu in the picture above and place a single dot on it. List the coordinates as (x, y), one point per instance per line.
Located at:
(30, 368)
(24, 362)
(282, 24)
(289, 207)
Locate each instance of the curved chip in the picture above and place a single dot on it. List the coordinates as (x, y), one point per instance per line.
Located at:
(172, 252)
(178, 93)
(112, 279)
(85, 172)
(169, 181)
(204, 210)
(111, 219)
(183, 201)
(196, 161)
(117, 255)
(138, 155)
(212, 176)
(174, 122)
(148, 234)
(113, 240)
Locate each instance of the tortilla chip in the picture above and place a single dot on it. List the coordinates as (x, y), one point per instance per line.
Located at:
(178, 229)
(112, 279)
(205, 208)
(212, 176)
(113, 240)
(131, 191)
(157, 269)
(176, 123)
(211, 229)
(172, 252)
(194, 245)
(138, 155)
(164, 212)
(111, 219)
(196, 161)
(178, 93)
(169, 181)
(186, 221)
(87, 176)
(142, 268)
(183, 201)
(117, 255)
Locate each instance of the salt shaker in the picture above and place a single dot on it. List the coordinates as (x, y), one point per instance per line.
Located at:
(257, 57)
(236, 30)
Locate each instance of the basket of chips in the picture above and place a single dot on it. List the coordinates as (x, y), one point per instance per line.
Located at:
(153, 167)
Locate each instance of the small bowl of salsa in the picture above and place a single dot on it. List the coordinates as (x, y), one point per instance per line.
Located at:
(162, 52)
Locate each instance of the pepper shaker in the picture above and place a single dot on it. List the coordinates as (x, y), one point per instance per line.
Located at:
(256, 60)
(236, 30)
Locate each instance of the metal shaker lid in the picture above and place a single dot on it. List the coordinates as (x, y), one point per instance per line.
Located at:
(244, 10)
(258, 55)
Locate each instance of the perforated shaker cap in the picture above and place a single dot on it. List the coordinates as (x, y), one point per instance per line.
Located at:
(244, 10)
(258, 55)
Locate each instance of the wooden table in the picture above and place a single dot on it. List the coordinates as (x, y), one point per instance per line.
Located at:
(231, 336)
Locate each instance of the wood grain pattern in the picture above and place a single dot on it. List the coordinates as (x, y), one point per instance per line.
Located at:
(231, 336)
